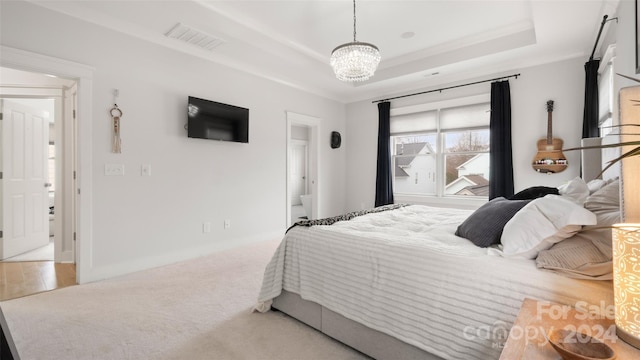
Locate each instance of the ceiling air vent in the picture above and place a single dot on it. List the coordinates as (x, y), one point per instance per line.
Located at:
(194, 37)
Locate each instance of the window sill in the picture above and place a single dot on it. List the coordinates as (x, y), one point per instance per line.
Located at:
(458, 202)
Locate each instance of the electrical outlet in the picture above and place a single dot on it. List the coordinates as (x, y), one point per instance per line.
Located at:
(227, 224)
(114, 169)
(206, 227)
(145, 170)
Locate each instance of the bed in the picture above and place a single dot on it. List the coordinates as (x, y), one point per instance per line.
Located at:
(399, 283)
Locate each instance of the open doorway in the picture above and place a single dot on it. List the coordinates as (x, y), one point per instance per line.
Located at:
(38, 152)
(302, 167)
(299, 174)
(79, 100)
(28, 185)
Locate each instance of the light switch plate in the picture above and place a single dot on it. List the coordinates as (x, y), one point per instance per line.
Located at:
(114, 169)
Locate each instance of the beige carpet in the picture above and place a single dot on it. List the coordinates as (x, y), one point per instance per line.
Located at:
(199, 309)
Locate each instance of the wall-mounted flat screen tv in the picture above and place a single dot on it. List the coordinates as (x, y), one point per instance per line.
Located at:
(216, 121)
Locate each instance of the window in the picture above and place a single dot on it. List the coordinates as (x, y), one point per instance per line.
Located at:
(441, 152)
(606, 95)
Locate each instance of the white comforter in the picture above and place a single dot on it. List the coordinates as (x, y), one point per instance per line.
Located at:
(404, 272)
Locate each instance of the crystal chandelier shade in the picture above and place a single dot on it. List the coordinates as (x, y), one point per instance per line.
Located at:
(355, 61)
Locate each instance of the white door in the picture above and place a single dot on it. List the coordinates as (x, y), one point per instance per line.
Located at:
(25, 136)
(298, 170)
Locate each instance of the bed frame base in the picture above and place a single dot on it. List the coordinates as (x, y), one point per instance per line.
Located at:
(368, 341)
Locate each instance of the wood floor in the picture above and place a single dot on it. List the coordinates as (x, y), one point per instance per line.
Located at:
(19, 279)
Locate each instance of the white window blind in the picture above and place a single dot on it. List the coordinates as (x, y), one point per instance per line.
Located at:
(605, 91)
(468, 116)
(425, 121)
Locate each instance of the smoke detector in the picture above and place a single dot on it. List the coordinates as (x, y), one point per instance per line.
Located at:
(194, 37)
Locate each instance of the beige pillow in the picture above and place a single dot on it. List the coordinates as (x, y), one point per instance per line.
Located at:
(577, 257)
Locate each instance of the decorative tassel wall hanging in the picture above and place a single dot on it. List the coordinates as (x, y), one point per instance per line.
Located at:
(116, 114)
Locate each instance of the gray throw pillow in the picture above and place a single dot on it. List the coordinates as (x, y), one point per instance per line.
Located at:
(484, 226)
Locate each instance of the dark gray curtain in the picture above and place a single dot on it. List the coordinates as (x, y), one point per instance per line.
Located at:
(501, 168)
(384, 187)
(590, 116)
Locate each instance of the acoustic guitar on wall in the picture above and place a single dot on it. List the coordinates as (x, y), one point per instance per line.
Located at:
(550, 158)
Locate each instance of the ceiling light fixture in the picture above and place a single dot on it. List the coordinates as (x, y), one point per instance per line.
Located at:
(355, 61)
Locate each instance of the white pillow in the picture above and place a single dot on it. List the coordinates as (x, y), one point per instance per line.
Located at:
(542, 223)
(576, 190)
(605, 199)
(605, 204)
(595, 185)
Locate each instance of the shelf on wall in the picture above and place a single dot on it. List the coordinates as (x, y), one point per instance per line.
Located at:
(549, 168)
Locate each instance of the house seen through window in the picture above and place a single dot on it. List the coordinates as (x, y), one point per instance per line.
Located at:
(441, 152)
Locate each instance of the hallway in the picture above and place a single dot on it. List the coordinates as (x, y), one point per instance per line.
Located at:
(45, 253)
(19, 279)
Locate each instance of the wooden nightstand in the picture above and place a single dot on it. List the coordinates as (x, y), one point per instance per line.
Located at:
(527, 336)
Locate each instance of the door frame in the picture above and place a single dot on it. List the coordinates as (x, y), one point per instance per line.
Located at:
(83, 75)
(69, 170)
(313, 123)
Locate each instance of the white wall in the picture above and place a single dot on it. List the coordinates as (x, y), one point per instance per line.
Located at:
(139, 222)
(562, 82)
(626, 44)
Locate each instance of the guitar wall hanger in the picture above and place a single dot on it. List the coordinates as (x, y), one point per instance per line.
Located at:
(550, 159)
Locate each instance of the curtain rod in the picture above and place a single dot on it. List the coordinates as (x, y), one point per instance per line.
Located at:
(604, 21)
(447, 88)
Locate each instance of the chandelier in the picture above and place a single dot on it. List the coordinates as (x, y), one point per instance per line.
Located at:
(355, 61)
